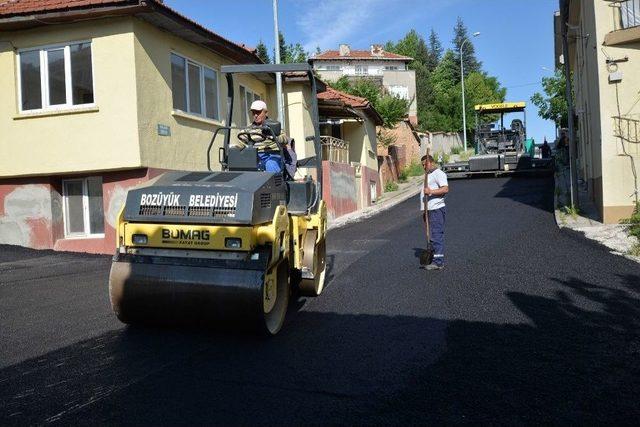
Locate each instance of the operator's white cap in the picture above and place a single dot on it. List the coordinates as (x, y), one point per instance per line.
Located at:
(258, 105)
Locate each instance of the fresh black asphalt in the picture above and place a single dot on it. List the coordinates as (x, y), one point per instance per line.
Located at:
(526, 325)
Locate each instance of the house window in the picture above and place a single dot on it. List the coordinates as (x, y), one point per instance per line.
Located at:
(56, 77)
(83, 209)
(194, 88)
(246, 99)
(391, 68)
(362, 70)
(333, 68)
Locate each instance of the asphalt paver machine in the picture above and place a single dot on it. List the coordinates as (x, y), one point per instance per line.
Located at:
(499, 149)
(223, 248)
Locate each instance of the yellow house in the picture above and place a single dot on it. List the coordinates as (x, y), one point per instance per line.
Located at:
(604, 53)
(97, 96)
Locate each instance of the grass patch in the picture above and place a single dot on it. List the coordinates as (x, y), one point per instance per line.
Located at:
(634, 222)
(464, 156)
(403, 175)
(456, 149)
(390, 186)
(571, 211)
(635, 250)
(415, 169)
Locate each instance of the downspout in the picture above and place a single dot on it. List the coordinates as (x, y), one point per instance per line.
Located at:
(564, 14)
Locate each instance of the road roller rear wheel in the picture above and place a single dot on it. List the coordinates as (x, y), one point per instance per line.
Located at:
(275, 296)
(314, 262)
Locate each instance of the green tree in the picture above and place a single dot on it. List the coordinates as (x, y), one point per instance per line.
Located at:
(435, 51)
(445, 112)
(290, 53)
(262, 53)
(392, 109)
(552, 105)
(471, 63)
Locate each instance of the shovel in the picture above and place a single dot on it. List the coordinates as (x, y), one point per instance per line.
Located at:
(426, 255)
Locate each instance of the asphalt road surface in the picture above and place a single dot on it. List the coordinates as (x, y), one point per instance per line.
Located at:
(526, 325)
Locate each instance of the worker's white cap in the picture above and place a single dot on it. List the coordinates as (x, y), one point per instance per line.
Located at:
(258, 105)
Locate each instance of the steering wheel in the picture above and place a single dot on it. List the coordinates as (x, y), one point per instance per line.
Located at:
(252, 137)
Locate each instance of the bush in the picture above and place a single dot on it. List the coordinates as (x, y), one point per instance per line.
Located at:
(456, 150)
(415, 169)
(390, 186)
(443, 155)
(403, 175)
(634, 222)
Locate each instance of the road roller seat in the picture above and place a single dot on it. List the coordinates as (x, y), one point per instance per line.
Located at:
(243, 159)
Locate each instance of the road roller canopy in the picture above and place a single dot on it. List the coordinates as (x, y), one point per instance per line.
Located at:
(500, 108)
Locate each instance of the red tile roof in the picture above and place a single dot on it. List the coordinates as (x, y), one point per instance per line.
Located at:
(26, 7)
(353, 101)
(19, 7)
(361, 54)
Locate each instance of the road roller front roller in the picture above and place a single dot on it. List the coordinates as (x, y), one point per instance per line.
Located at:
(225, 248)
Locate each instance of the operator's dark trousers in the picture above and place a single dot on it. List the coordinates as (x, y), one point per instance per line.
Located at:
(436, 228)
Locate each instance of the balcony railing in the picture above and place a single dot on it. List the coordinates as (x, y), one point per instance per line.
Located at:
(334, 149)
(627, 13)
(627, 129)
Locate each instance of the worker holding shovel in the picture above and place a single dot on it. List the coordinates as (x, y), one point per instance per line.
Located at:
(435, 188)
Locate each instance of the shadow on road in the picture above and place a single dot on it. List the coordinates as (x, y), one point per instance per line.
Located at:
(576, 361)
(538, 191)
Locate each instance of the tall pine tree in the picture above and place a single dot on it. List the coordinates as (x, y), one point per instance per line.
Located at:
(263, 54)
(471, 63)
(435, 51)
(290, 53)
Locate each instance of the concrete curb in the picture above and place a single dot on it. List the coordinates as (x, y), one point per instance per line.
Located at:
(411, 189)
(612, 236)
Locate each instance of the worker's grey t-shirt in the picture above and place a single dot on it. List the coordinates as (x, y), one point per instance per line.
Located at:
(436, 179)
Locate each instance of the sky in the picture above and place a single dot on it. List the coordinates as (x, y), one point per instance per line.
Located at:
(516, 39)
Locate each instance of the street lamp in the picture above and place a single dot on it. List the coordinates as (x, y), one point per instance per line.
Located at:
(464, 109)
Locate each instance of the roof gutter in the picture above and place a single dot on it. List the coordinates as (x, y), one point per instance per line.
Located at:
(32, 20)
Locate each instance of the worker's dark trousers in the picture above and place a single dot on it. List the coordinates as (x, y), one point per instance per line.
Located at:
(436, 228)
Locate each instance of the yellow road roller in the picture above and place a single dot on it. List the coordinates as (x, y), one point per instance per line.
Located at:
(224, 248)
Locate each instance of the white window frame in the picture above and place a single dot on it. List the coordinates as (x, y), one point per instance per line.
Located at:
(44, 78)
(333, 67)
(362, 70)
(203, 103)
(85, 210)
(247, 105)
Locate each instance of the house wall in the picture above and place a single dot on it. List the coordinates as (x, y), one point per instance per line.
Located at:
(340, 191)
(104, 137)
(31, 211)
(402, 77)
(190, 135)
(299, 122)
(348, 67)
(601, 155)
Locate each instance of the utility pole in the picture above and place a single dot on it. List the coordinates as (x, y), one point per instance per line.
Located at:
(464, 105)
(279, 94)
(573, 171)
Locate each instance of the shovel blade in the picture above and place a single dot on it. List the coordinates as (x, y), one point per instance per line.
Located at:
(426, 256)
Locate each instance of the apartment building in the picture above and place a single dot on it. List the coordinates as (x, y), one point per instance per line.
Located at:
(388, 69)
(604, 57)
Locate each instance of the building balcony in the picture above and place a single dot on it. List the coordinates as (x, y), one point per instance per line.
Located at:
(627, 129)
(334, 149)
(626, 18)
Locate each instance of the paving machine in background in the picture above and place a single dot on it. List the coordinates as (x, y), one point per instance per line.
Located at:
(499, 150)
(224, 248)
